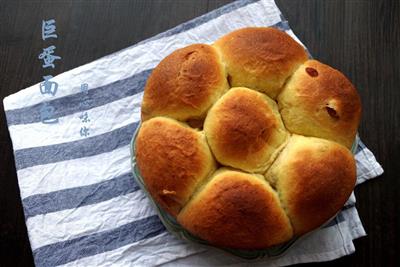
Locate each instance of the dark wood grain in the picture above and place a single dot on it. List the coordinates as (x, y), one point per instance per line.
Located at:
(361, 38)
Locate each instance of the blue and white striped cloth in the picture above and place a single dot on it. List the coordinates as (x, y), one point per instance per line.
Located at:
(81, 205)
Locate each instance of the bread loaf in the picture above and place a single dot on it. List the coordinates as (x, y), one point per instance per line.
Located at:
(320, 101)
(244, 130)
(185, 84)
(174, 159)
(246, 142)
(314, 178)
(260, 58)
(237, 210)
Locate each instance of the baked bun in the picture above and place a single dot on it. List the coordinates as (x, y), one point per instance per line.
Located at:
(185, 84)
(221, 160)
(237, 210)
(320, 101)
(314, 178)
(244, 130)
(173, 160)
(260, 58)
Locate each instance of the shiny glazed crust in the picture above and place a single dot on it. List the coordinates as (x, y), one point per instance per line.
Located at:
(191, 79)
(244, 130)
(260, 58)
(195, 125)
(173, 160)
(237, 210)
(320, 101)
(314, 178)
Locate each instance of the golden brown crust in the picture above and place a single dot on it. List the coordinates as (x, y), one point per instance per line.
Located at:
(173, 160)
(185, 84)
(320, 101)
(311, 178)
(244, 129)
(314, 178)
(237, 210)
(260, 58)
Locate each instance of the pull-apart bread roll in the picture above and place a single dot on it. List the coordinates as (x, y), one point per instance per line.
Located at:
(245, 142)
(260, 58)
(314, 178)
(237, 210)
(173, 160)
(320, 101)
(185, 84)
(244, 130)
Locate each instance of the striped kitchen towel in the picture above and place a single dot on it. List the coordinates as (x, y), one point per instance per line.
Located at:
(81, 205)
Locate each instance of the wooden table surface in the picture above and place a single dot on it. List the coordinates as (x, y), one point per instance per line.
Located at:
(361, 38)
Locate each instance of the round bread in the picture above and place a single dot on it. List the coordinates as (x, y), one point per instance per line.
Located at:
(320, 101)
(292, 173)
(260, 58)
(173, 160)
(314, 178)
(244, 130)
(185, 84)
(237, 210)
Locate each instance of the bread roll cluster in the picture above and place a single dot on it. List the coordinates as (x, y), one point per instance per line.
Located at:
(246, 141)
